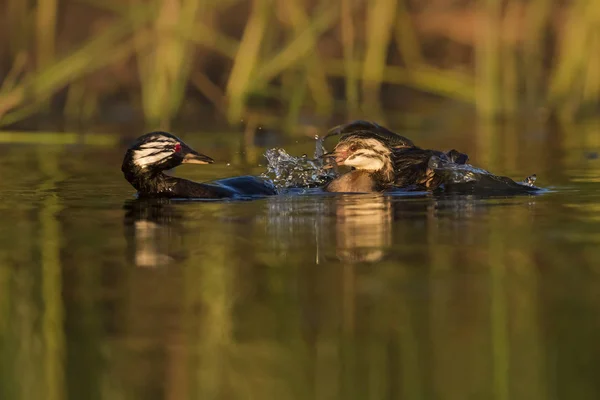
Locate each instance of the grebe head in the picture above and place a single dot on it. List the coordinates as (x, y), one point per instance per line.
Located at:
(363, 153)
(158, 151)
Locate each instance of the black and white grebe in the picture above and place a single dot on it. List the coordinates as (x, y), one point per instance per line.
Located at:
(155, 152)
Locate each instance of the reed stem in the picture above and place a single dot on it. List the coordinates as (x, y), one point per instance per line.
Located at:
(380, 22)
(246, 58)
(348, 41)
(488, 59)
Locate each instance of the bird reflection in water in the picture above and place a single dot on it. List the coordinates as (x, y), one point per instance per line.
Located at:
(357, 227)
(362, 227)
(352, 228)
(150, 226)
(364, 223)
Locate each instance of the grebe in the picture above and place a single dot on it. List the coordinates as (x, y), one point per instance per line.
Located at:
(381, 160)
(155, 152)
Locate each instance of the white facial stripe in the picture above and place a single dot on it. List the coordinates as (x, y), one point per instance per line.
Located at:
(371, 155)
(158, 144)
(154, 150)
(365, 159)
(149, 156)
(376, 145)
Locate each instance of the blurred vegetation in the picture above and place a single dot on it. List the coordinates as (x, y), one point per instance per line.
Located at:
(163, 59)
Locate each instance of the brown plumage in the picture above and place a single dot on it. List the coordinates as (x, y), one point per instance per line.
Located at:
(382, 159)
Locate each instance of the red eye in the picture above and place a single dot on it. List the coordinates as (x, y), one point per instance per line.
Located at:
(177, 147)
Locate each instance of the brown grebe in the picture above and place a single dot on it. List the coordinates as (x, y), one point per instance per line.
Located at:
(155, 152)
(381, 159)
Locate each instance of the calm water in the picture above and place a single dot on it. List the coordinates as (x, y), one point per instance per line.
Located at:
(299, 297)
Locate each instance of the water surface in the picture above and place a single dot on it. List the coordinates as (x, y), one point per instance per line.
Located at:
(297, 297)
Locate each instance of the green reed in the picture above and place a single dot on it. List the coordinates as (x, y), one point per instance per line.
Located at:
(488, 58)
(246, 58)
(380, 22)
(164, 67)
(162, 46)
(45, 38)
(348, 43)
(113, 45)
(317, 78)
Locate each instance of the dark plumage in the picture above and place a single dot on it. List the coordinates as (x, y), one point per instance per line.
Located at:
(155, 152)
(369, 129)
(382, 159)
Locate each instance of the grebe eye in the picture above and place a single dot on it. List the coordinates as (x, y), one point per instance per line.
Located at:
(353, 148)
(177, 147)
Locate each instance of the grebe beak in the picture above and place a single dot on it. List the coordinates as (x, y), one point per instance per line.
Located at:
(193, 157)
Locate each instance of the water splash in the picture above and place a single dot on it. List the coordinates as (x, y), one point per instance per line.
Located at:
(287, 171)
(456, 173)
(463, 173)
(529, 181)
